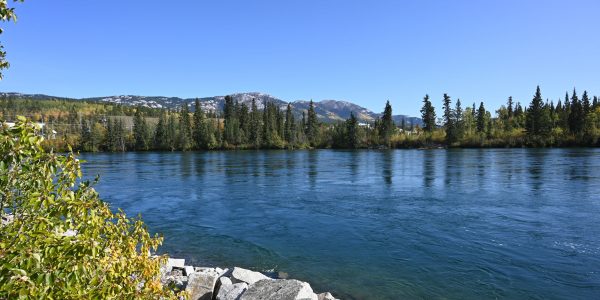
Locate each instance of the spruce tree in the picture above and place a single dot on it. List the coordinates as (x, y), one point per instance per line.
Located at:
(352, 132)
(481, 118)
(255, 125)
(140, 131)
(171, 141)
(428, 115)
(536, 119)
(199, 127)
(585, 103)
(160, 133)
(449, 120)
(289, 125)
(386, 125)
(459, 126)
(312, 125)
(185, 128)
(576, 115)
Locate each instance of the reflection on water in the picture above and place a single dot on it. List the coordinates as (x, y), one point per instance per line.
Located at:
(455, 224)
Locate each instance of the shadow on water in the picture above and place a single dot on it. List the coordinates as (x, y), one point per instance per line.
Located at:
(535, 160)
(387, 165)
(313, 156)
(429, 157)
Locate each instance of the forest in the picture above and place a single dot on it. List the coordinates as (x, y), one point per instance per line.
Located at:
(94, 126)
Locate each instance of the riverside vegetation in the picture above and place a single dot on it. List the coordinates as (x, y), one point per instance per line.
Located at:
(93, 126)
(58, 240)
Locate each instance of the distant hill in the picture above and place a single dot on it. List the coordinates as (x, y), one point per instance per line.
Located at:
(327, 110)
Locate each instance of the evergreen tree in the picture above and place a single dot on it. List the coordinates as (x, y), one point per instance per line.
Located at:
(386, 125)
(481, 118)
(449, 120)
(458, 120)
(312, 125)
(185, 128)
(160, 133)
(585, 103)
(244, 123)
(199, 127)
(140, 132)
(290, 128)
(537, 118)
(576, 115)
(231, 122)
(352, 131)
(171, 141)
(86, 135)
(255, 125)
(428, 115)
(510, 107)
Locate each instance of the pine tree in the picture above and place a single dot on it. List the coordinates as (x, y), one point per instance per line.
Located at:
(428, 115)
(386, 125)
(510, 107)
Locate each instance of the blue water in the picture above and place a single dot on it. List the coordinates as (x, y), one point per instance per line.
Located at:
(403, 224)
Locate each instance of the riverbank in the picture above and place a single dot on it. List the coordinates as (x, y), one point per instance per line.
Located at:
(202, 283)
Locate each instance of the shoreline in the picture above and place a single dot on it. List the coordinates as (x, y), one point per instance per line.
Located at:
(205, 283)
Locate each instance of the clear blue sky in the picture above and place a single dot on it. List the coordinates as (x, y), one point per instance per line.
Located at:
(361, 51)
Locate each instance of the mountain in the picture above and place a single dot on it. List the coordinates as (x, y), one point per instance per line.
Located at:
(327, 110)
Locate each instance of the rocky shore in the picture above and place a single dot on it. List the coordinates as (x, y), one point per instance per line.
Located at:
(234, 284)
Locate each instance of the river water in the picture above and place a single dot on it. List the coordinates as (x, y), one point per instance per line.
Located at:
(397, 224)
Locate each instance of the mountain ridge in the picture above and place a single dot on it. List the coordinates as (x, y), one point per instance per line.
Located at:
(328, 110)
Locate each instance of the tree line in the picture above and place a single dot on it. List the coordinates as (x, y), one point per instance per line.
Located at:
(92, 126)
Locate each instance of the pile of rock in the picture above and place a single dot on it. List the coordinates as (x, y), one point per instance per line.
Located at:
(234, 284)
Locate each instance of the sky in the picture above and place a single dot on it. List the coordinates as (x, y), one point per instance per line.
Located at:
(365, 52)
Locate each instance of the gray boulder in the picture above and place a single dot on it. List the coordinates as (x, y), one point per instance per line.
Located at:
(281, 289)
(242, 275)
(201, 284)
(188, 270)
(174, 263)
(232, 291)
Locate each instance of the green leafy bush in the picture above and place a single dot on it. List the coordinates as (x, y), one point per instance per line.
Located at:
(63, 242)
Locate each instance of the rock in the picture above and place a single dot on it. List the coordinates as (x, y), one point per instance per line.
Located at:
(175, 263)
(174, 279)
(232, 291)
(325, 296)
(201, 284)
(242, 275)
(225, 281)
(283, 289)
(188, 270)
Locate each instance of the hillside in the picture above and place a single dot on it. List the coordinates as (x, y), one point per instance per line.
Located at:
(327, 110)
